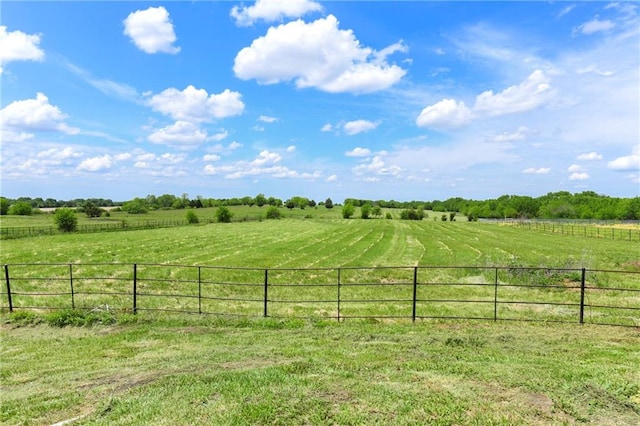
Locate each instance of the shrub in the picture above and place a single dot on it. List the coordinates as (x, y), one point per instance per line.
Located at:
(91, 210)
(21, 208)
(136, 206)
(328, 203)
(66, 219)
(223, 214)
(365, 211)
(388, 216)
(192, 217)
(348, 210)
(273, 213)
(411, 214)
(4, 206)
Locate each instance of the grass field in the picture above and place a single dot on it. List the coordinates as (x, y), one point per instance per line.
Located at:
(180, 369)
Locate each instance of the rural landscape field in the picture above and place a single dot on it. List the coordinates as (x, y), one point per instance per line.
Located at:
(300, 365)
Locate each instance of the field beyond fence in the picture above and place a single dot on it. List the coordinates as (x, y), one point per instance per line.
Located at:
(608, 297)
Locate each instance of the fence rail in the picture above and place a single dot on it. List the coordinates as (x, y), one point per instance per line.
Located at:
(609, 231)
(609, 297)
(13, 232)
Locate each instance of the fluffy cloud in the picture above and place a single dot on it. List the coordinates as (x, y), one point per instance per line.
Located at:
(358, 152)
(273, 10)
(18, 46)
(574, 168)
(628, 162)
(359, 126)
(507, 137)
(267, 119)
(327, 128)
(196, 105)
(210, 157)
(528, 95)
(20, 118)
(534, 171)
(96, 164)
(590, 156)
(151, 30)
(445, 114)
(579, 176)
(320, 55)
(377, 166)
(181, 133)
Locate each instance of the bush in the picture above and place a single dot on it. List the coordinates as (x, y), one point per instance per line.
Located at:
(411, 214)
(66, 219)
(4, 206)
(223, 214)
(365, 211)
(348, 210)
(91, 210)
(21, 208)
(192, 217)
(388, 216)
(273, 213)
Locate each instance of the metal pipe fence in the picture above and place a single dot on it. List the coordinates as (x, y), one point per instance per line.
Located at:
(608, 231)
(493, 293)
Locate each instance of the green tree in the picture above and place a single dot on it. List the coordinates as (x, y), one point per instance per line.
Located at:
(192, 217)
(66, 219)
(260, 200)
(136, 206)
(376, 211)
(4, 206)
(223, 214)
(328, 203)
(365, 211)
(91, 209)
(273, 213)
(348, 210)
(21, 208)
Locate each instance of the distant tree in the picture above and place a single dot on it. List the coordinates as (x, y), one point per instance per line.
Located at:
(21, 208)
(328, 203)
(290, 204)
(376, 211)
(260, 200)
(388, 216)
(444, 217)
(312, 203)
(223, 214)
(66, 219)
(136, 206)
(348, 210)
(452, 216)
(4, 206)
(273, 213)
(91, 209)
(365, 211)
(192, 217)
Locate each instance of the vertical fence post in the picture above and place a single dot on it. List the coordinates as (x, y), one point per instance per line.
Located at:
(266, 291)
(135, 288)
(495, 296)
(415, 293)
(199, 291)
(6, 277)
(339, 294)
(73, 300)
(582, 289)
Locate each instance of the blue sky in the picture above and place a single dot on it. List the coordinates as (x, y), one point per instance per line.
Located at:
(375, 100)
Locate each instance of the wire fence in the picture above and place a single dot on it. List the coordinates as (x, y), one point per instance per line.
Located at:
(121, 225)
(620, 232)
(495, 293)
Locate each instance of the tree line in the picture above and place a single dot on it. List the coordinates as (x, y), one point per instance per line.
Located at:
(554, 205)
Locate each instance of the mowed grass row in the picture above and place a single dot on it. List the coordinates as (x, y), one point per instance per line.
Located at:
(197, 370)
(325, 245)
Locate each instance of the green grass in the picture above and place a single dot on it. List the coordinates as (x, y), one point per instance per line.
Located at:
(288, 372)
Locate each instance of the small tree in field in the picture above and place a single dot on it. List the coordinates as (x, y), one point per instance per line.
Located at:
(192, 217)
(328, 203)
(223, 215)
(66, 219)
(348, 210)
(273, 213)
(365, 211)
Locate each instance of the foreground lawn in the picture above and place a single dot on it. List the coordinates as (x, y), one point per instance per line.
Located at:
(196, 370)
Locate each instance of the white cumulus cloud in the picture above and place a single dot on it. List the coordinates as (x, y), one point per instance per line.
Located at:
(18, 46)
(96, 164)
(273, 10)
(627, 162)
(534, 171)
(358, 152)
(181, 133)
(320, 55)
(20, 118)
(445, 114)
(151, 30)
(196, 105)
(359, 126)
(579, 176)
(590, 156)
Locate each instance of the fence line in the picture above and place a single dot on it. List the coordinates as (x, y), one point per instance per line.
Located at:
(410, 292)
(590, 231)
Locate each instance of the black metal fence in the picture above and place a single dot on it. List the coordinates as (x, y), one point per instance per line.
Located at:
(620, 231)
(609, 297)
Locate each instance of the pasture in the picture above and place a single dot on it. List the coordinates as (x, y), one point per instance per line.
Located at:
(163, 369)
